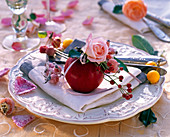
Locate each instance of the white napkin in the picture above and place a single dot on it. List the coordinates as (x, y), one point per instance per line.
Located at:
(63, 93)
(140, 26)
(158, 7)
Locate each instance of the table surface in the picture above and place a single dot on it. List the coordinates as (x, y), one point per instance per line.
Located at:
(106, 26)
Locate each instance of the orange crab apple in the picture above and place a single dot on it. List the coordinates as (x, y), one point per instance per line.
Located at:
(83, 78)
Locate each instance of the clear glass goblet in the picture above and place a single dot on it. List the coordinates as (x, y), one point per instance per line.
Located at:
(19, 25)
(51, 25)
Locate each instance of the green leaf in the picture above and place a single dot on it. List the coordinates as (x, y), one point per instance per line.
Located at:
(122, 64)
(147, 117)
(118, 9)
(33, 16)
(74, 53)
(141, 43)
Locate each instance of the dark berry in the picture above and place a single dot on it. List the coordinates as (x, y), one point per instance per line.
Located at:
(121, 68)
(130, 95)
(129, 90)
(112, 82)
(42, 49)
(120, 78)
(124, 95)
(119, 86)
(129, 85)
(127, 97)
(106, 71)
(108, 56)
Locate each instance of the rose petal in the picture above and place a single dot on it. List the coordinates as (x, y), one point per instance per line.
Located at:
(22, 120)
(72, 4)
(52, 5)
(6, 21)
(59, 18)
(4, 72)
(39, 15)
(41, 20)
(88, 21)
(23, 86)
(17, 46)
(67, 13)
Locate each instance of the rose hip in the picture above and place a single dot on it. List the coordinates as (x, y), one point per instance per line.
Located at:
(7, 106)
(43, 49)
(50, 51)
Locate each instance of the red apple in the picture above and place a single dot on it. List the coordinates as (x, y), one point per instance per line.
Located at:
(83, 78)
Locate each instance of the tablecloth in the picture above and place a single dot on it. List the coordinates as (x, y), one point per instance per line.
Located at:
(106, 26)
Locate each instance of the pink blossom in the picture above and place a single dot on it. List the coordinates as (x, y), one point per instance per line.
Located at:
(53, 4)
(96, 49)
(88, 21)
(72, 4)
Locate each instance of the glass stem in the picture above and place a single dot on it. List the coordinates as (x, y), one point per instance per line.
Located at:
(19, 25)
(48, 10)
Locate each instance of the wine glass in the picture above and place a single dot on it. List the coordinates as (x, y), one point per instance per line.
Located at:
(51, 25)
(19, 25)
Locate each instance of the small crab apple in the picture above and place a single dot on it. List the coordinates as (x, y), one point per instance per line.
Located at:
(42, 49)
(50, 51)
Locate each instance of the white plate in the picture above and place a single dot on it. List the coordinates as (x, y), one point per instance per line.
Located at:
(40, 103)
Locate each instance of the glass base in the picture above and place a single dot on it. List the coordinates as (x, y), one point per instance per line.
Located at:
(27, 43)
(54, 27)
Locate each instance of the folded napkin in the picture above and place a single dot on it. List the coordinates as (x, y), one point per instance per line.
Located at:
(157, 7)
(104, 94)
(140, 26)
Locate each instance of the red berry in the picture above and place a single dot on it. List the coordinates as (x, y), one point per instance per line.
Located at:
(54, 79)
(129, 85)
(108, 56)
(119, 86)
(127, 97)
(111, 51)
(57, 69)
(130, 95)
(124, 95)
(42, 49)
(129, 90)
(120, 78)
(106, 71)
(111, 68)
(112, 82)
(121, 68)
(50, 51)
(109, 64)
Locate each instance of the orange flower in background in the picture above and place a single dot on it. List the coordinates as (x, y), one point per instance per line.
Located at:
(135, 9)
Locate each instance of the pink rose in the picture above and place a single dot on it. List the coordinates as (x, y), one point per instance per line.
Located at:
(96, 49)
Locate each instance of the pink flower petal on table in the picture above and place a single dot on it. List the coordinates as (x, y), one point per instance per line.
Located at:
(23, 86)
(54, 34)
(22, 120)
(59, 18)
(72, 4)
(67, 12)
(4, 72)
(88, 21)
(17, 46)
(41, 20)
(39, 15)
(6, 21)
(52, 5)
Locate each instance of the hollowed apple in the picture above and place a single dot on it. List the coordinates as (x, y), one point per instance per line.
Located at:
(83, 78)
